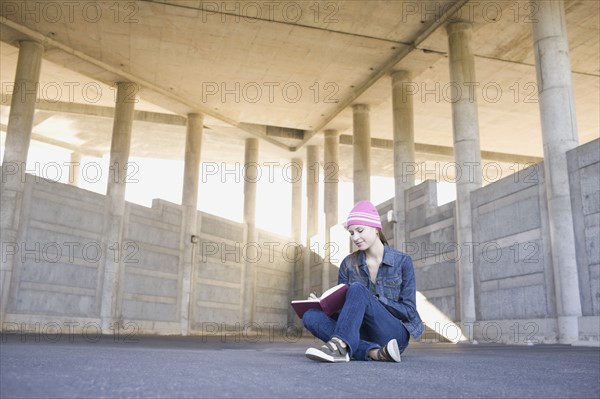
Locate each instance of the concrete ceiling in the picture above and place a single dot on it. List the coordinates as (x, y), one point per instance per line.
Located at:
(285, 71)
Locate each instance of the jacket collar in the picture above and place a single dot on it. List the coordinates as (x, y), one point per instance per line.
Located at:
(387, 260)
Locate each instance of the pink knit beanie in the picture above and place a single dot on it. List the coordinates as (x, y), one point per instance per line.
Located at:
(364, 213)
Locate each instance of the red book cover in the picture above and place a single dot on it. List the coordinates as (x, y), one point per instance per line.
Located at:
(330, 302)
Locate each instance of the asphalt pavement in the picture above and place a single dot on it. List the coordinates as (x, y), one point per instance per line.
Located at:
(35, 366)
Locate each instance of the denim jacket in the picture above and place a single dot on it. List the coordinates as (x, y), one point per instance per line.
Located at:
(395, 286)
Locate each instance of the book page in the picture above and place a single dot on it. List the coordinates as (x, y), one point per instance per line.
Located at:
(305, 301)
(332, 290)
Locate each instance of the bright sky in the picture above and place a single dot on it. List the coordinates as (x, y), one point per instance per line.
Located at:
(220, 193)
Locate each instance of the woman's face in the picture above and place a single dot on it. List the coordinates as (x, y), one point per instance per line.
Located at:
(363, 236)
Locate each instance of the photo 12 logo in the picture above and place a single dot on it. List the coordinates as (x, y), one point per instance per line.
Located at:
(69, 331)
(70, 252)
(452, 92)
(269, 92)
(471, 11)
(272, 172)
(454, 172)
(90, 172)
(70, 11)
(54, 92)
(254, 11)
(484, 252)
(251, 332)
(489, 332)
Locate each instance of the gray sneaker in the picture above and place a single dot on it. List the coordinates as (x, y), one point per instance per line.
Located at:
(389, 353)
(331, 352)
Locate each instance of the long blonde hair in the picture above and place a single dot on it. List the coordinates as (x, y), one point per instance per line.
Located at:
(354, 254)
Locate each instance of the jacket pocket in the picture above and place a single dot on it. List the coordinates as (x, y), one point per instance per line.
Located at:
(391, 287)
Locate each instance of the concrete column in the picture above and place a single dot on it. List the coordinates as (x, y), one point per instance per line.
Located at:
(313, 174)
(404, 150)
(18, 137)
(559, 133)
(296, 179)
(331, 169)
(251, 176)
(362, 152)
(189, 217)
(75, 169)
(467, 156)
(295, 176)
(115, 201)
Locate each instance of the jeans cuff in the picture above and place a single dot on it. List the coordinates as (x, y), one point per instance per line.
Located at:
(348, 347)
(368, 358)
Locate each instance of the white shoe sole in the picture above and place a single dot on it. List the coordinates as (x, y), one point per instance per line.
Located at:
(320, 356)
(393, 350)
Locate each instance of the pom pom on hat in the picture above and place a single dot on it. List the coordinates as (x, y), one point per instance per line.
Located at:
(364, 213)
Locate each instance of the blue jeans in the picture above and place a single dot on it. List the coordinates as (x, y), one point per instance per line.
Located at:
(363, 323)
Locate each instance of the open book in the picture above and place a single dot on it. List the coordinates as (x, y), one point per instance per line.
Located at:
(330, 302)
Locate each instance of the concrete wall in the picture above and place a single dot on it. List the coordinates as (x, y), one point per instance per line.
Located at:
(150, 289)
(59, 251)
(584, 172)
(514, 281)
(513, 275)
(431, 243)
(217, 280)
(57, 279)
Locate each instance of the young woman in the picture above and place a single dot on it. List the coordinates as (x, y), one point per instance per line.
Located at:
(380, 312)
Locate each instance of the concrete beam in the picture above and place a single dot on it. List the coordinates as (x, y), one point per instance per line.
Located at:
(261, 132)
(385, 68)
(62, 107)
(120, 74)
(59, 143)
(346, 139)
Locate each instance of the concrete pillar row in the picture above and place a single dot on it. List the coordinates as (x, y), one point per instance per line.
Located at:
(331, 169)
(114, 210)
(404, 150)
(249, 275)
(313, 174)
(362, 152)
(18, 137)
(189, 217)
(467, 155)
(559, 134)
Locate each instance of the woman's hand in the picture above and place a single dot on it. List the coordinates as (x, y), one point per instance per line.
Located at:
(313, 295)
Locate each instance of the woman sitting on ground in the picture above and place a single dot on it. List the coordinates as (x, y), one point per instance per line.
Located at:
(380, 313)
